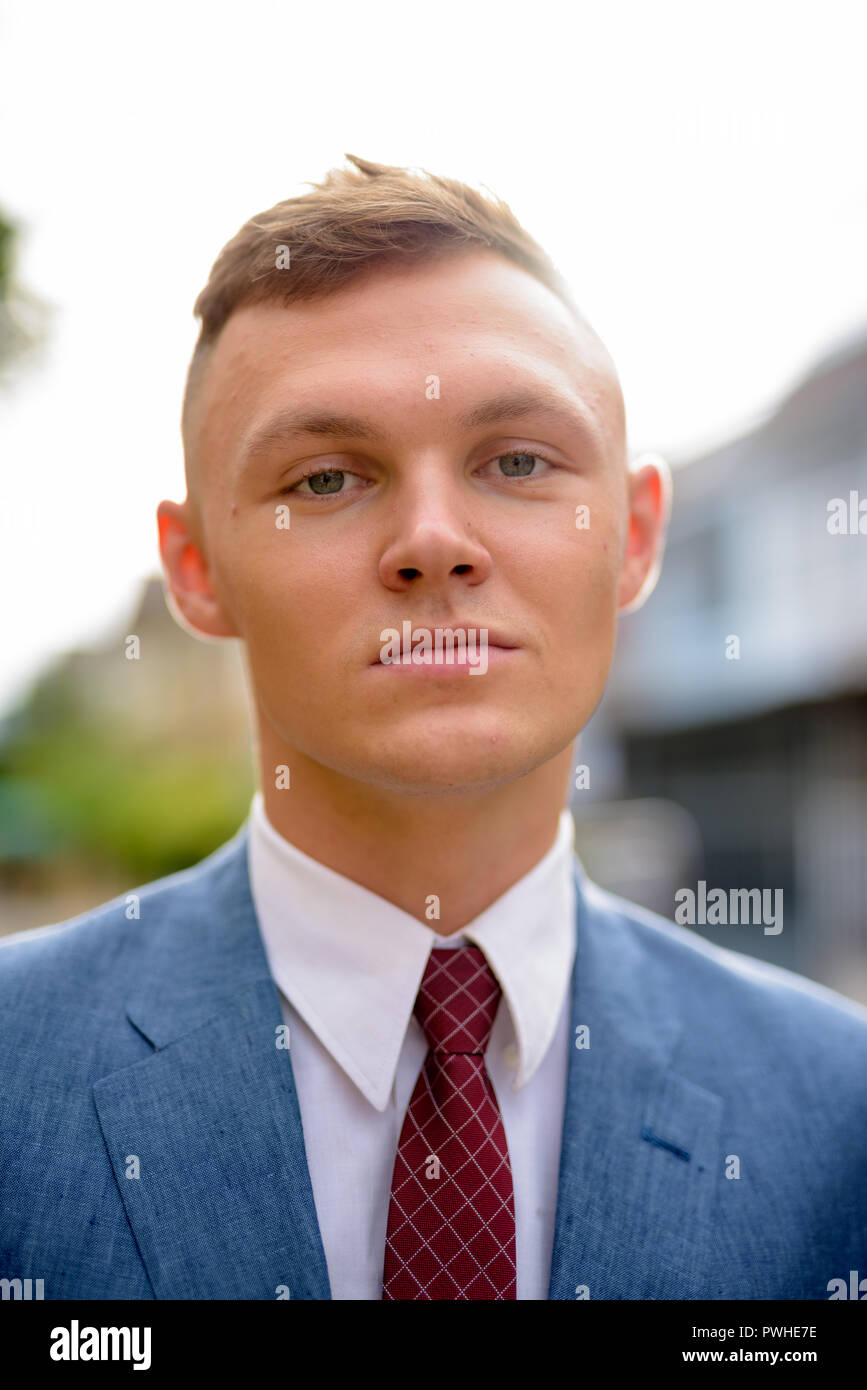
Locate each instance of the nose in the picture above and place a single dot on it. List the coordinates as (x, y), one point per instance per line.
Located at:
(433, 542)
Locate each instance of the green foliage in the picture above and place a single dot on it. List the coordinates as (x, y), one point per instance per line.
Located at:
(23, 315)
(7, 240)
(145, 810)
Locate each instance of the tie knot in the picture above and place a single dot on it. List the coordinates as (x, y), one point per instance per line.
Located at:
(457, 1000)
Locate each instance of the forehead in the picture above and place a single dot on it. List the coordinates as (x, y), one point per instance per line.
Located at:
(474, 320)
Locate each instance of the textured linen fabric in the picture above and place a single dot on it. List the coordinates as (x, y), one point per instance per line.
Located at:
(155, 1035)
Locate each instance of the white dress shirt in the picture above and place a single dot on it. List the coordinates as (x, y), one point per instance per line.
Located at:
(348, 965)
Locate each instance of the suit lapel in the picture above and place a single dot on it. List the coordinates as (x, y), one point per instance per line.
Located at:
(640, 1158)
(222, 1207)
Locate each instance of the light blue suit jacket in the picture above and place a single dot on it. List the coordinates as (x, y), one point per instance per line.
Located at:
(155, 1039)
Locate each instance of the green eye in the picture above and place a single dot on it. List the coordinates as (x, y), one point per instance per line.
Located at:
(324, 483)
(520, 464)
(321, 483)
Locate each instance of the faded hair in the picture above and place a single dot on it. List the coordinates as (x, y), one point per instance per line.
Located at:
(356, 219)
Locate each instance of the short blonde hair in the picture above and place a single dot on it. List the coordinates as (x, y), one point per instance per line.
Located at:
(356, 219)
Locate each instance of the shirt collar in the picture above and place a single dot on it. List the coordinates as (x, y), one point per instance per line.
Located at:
(351, 963)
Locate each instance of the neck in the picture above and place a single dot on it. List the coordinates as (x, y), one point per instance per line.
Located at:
(463, 849)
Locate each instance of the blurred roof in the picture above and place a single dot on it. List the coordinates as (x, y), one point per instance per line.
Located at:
(750, 557)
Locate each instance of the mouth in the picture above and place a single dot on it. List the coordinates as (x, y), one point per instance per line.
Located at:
(452, 646)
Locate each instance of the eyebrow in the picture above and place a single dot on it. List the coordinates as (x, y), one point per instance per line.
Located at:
(506, 405)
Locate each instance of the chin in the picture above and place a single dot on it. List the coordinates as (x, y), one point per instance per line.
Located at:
(434, 760)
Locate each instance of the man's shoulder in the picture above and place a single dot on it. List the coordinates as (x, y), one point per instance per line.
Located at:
(726, 998)
(113, 939)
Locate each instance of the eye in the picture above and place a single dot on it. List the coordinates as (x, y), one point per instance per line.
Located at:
(323, 482)
(521, 463)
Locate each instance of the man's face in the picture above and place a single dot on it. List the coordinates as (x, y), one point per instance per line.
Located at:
(426, 517)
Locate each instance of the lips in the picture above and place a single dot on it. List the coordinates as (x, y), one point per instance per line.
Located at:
(474, 635)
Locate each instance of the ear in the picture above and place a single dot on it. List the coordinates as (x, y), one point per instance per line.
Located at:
(194, 602)
(650, 489)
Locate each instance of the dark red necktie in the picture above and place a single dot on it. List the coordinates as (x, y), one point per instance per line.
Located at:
(451, 1219)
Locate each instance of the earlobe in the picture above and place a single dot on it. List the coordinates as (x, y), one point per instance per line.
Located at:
(194, 602)
(650, 493)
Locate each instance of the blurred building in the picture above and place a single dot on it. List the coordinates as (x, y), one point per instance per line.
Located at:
(178, 688)
(761, 741)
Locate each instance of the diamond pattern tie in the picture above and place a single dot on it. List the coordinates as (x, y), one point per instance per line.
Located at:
(451, 1219)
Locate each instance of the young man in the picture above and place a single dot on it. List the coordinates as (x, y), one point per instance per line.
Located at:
(390, 1042)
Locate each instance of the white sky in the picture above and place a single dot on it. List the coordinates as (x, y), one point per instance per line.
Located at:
(697, 170)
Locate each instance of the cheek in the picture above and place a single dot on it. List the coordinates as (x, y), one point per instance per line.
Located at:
(285, 594)
(574, 575)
